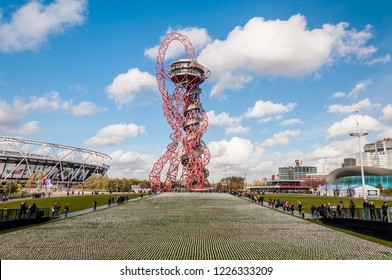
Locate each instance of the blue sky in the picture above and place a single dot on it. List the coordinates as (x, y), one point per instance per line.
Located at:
(286, 78)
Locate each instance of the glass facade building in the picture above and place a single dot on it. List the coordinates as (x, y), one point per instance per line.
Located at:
(297, 172)
(371, 180)
(351, 176)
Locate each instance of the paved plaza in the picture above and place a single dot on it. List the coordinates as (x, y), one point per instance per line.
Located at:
(199, 226)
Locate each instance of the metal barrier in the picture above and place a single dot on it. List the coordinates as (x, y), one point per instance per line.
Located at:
(17, 214)
(358, 213)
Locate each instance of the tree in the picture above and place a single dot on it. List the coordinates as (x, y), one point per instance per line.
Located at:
(10, 188)
(94, 182)
(231, 183)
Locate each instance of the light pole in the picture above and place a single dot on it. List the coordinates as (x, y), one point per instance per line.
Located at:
(245, 182)
(358, 135)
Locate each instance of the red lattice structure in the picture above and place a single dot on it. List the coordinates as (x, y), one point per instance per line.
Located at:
(187, 153)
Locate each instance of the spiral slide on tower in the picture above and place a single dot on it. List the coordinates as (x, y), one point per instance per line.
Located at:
(187, 118)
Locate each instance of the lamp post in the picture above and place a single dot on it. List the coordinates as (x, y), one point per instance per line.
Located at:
(358, 134)
(245, 182)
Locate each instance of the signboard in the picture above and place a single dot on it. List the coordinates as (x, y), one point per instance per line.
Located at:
(372, 193)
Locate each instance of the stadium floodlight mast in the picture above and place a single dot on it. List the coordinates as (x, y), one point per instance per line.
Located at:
(359, 134)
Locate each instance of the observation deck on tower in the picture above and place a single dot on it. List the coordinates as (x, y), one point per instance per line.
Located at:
(183, 68)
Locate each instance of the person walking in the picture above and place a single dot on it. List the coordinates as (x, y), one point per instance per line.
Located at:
(66, 210)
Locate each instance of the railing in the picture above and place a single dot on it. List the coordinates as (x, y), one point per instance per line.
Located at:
(17, 214)
(355, 213)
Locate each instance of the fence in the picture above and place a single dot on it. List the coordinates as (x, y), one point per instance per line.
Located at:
(357, 213)
(17, 214)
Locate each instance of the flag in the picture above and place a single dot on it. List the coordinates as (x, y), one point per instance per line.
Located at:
(19, 171)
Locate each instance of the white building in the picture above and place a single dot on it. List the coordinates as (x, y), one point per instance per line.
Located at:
(357, 191)
(378, 154)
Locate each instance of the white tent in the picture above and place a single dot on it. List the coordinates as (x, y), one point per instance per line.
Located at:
(357, 191)
(328, 190)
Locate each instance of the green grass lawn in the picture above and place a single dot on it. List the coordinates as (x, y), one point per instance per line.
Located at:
(75, 202)
(308, 200)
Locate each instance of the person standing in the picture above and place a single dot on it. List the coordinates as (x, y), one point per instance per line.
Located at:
(340, 209)
(384, 209)
(366, 210)
(95, 205)
(292, 208)
(66, 210)
(53, 210)
(299, 204)
(372, 209)
(352, 208)
(5, 213)
(302, 211)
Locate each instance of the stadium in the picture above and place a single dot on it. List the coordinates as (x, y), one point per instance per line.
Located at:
(351, 176)
(42, 164)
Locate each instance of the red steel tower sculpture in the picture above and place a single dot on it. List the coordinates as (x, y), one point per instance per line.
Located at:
(188, 120)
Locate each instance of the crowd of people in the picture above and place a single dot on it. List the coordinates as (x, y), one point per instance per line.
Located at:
(56, 207)
(325, 210)
(24, 211)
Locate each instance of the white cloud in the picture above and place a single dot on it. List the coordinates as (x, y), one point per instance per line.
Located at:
(52, 102)
(350, 108)
(291, 122)
(281, 138)
(280, 48)
(124, 87)
(387, 112)
(361, 86)
(11, 114)
(332, 154)
(380, 60)
(265, 120)
(358, 88)
(237, 129)
(78, 88)
(48, 103)
(86, 108)
(28, 129)
(234, 151)
(221, 119)
(130, 164)
(115, 134)
(233, 80)
(31, 25)
(263, 108)
(198, 37)
(349, 124)
(351, 42)
(338, 94)
(385, 133)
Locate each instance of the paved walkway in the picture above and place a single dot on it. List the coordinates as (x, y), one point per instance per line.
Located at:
(91, 210)
(280, 209)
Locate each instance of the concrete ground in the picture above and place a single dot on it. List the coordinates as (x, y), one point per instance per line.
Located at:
(186, 226)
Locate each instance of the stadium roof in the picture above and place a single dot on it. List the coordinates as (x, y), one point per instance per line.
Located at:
(356, 171)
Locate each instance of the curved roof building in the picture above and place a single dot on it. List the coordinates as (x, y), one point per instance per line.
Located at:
(351, 176)
(41, 162)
